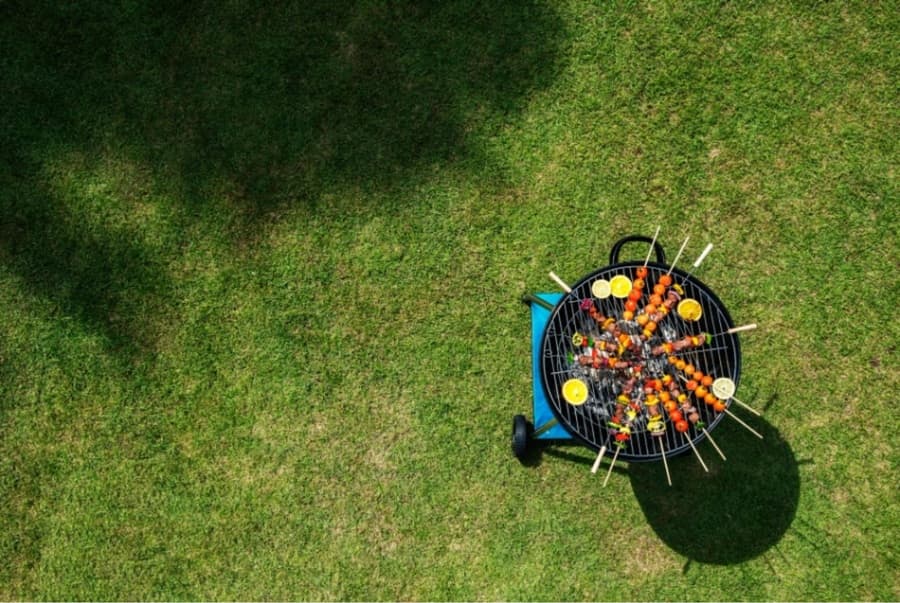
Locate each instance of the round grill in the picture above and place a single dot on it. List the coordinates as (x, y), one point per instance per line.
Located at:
(590, 422)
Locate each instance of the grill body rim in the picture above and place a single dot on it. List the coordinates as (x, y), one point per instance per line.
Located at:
(553, 395)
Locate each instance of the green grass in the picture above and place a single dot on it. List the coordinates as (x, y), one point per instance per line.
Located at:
(260, 269)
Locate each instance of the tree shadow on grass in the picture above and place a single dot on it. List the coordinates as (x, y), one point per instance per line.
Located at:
(281, 100)
(240, 108)
(737, 511)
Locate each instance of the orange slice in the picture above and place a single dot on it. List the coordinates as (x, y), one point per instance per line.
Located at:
(620, 286)
(690, 309)
(723, 388)
(575, 391)
(601, 288)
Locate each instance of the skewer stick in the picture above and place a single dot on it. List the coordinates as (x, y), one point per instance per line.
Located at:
(735, 330)
(599, 458)
(665, 462)
(703, 255)
(694, 448)
(608, 473)
(754, 411)
(750, 429)
(652, 244)
(752, 325)
(675, 261)
(699, 260)
(560, 282)
(713, 442)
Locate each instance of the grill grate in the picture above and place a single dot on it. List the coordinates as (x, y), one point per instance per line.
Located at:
(589, 422)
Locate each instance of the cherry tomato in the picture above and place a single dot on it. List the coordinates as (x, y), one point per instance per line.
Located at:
(627, 315)
(659, 289)
(700, 392)
(635, 294)
(719, 406)
(656, 299)
(698, 376)
(689, 369)
(669, 405)
(707, 380)
(681, 426)
(631, 305)
(710, 398)
(665, 280)
(641, 272)
(675, 415)
(638, 283)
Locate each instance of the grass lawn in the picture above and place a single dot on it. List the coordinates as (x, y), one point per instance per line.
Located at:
(260, 273)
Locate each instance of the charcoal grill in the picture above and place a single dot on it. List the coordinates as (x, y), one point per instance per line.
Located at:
(589, 423)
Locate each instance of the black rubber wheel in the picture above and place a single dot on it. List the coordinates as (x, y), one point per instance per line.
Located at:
(521, 434)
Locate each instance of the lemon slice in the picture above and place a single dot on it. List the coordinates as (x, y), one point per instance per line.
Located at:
(723, 388)
(690, 309)
(575, 391)
(620, 285)
(600, 288)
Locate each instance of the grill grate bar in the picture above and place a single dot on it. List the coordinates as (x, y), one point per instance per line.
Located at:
(719, 358)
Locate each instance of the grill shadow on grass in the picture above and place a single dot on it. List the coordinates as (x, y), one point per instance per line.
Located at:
(737, 511)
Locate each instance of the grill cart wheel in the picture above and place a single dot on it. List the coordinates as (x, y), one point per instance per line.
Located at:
(521, 433)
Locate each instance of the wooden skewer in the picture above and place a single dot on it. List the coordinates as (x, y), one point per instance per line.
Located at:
(748, 327)
(752, 325)
(652, 243)
(675, 261)
(608, 473)
(713, 442)
(599, 458)
(665, 462)
(560, 282)
(753, 410)
(703, 255)
(699, 260)
(750, 429)
(694, 448)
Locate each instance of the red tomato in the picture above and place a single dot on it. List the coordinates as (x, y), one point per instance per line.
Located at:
(719, 406)
(641, 272)
(675, 415)
(681, 426)
(665, 280)
(631, 305)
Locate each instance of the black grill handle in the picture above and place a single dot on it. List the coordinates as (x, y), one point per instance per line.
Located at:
(617, 247)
